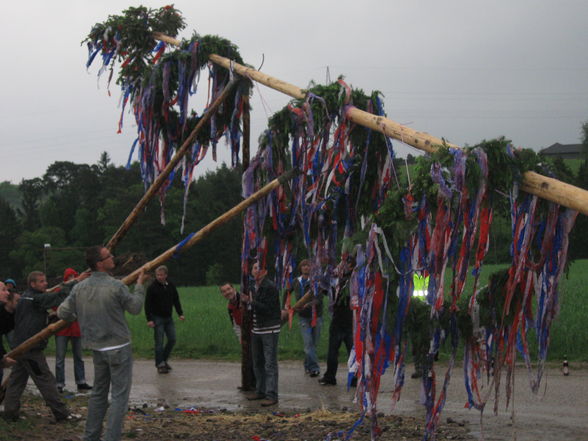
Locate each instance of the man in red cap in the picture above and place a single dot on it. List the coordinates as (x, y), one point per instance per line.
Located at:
(72, 334)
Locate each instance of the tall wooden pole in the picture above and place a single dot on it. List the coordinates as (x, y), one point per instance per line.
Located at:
(246, 132)
(534, 183)
(162, 177)
(197, 237)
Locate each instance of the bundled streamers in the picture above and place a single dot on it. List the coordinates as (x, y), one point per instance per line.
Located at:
(158, 83)
(344, 195)
(442, 223)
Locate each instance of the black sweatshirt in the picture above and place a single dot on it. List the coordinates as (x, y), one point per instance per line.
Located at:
(160, 299)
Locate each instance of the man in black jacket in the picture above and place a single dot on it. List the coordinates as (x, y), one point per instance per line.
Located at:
(7, 305)
(265, 301)
(161, 296)
(30, 318)
(341, 328)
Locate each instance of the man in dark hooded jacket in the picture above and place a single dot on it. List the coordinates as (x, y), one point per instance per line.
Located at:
(30, 318)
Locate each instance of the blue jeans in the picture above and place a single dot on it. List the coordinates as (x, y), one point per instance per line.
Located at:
(60, 350)
(310, 337)
(114, 367)
(264, 348)
(164, 326)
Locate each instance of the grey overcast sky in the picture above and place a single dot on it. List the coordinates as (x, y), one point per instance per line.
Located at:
(465, 70)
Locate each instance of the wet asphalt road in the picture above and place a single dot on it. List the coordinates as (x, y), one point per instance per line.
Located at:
(559, 412)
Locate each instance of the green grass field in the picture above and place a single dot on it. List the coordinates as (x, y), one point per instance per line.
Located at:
(206, 332)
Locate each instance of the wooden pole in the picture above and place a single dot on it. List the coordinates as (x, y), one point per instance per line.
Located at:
(301, 303)
(547, 188)
(246, 132)
(221, 220)
(248, 72)
(36, 339)
(204, 231)
(158, 183)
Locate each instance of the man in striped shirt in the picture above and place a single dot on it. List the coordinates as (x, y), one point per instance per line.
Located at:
(264, 299)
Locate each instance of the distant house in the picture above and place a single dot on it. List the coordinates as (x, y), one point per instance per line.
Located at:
(564, 151)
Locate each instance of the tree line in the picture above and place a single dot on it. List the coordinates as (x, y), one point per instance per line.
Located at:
(47, 222)
(73, 206)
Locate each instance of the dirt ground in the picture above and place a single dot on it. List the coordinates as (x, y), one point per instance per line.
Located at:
(198, 400)
(216, 425)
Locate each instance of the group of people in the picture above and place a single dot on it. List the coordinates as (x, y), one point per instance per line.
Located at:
(262, 299)
(94, 304)
(98, 302)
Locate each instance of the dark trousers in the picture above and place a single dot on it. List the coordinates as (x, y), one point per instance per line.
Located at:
(338, 333)
(164, 327)
(33, 364)
(265, 364)
(247, 373)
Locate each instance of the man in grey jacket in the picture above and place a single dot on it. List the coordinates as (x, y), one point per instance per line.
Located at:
(99, 304)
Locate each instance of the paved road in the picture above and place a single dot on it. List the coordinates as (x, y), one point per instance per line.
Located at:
(560, 412)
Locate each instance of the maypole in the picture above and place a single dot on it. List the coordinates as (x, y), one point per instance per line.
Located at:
(547, 188)
(348, 192)
(438, 249)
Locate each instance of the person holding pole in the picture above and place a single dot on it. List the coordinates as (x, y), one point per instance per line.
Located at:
(310, 318)
(241, 323)
(99, 304)
(234, 307)
(341, 328)
(7, 306)
(62, 337)
(162, 295)
(30, 317)
(265, 301)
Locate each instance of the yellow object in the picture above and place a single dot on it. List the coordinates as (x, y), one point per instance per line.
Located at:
(421, 284)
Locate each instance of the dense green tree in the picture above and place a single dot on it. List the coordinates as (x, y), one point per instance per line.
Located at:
(32, 193)
(31, 253)
(77, 205)
(10, 193)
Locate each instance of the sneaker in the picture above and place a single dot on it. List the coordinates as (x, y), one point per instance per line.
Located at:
(84, 387)
(324, 381)
(315, 373)
(268, 402)
(254, 396)
(168, 367)
(162, 370)
(71, 418)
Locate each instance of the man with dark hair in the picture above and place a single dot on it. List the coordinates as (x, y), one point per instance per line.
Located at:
(94, 255)
(233, 306)
(99, 304)
(310, 318)
(29, 319)
(161, 297)
(8, 302)
(265, 301)
(341, 328)
(241, 321)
